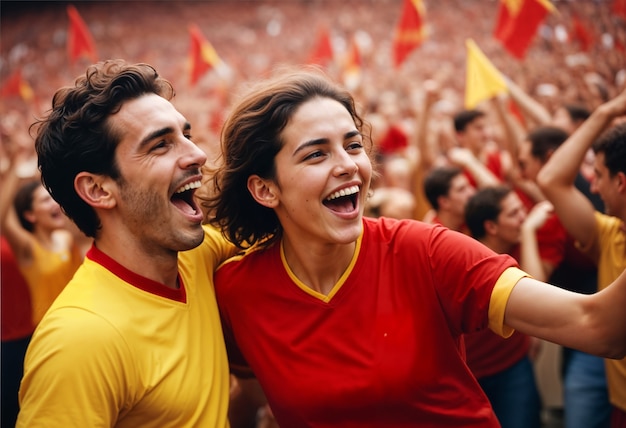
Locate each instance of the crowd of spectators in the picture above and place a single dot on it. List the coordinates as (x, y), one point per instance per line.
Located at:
(253, 37)
(563, 66)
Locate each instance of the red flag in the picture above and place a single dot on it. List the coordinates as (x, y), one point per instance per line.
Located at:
(202, 55)
(410, 32)
(580, 33)
(79, 40)
(517, 23)
(619, 8)
(15, 85)
(322, 52)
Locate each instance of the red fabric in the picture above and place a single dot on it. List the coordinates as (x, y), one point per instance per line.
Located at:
(385, 349)
(488, 353)
(353, 58)
(552, 239)
(322, 52)
(580, 33)
(201, 62)
(618, 418)
(394, 140)
(410, 32)
(516, 112)
(16, 309)
(141, 282)
(619, 8)
(79, 39)
(15, 85)
(515, 29)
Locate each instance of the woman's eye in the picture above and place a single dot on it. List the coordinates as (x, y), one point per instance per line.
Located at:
(313, 155)
(356, 145)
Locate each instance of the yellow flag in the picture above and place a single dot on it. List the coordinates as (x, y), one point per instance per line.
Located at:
(482, 80)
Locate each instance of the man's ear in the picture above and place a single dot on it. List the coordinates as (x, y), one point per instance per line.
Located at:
(491, 227)
(443, 202)
(95, 189)
(263, 191)
(621, 182)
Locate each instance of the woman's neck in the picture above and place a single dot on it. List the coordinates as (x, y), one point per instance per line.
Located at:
(318, 267)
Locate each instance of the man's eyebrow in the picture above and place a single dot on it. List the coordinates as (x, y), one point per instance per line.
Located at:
(161, 132)
(156, 134)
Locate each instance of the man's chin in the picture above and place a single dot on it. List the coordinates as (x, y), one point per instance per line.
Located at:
(192, 241)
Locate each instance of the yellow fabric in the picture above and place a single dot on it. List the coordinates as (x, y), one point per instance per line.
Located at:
(500, 297)
(47, 275)
(611, 242)
(110, 354)
(482, 80)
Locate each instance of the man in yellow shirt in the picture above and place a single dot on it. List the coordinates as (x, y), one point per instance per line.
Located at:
(601, 236)
(134, 339)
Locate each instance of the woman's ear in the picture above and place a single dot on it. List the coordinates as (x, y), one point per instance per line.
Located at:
(29, 216)
(263, 191)
(95, 189)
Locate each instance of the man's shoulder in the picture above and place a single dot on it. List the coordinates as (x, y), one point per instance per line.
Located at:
(214, 249)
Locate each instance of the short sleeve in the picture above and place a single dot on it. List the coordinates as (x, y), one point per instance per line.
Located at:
(499, 298)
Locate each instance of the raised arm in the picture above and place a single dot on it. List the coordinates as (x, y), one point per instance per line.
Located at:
(594, 323)
(530, 255)
(464, 158)
(556, 178)
(18, 237)
(427, 155)
(531, 108)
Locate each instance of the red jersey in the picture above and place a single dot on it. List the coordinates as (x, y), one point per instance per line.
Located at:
(494, 164)
(16, 310)
(486, 352)
(383, 348)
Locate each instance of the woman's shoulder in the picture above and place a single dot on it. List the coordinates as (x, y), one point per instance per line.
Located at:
(409, 232)
(386, 225)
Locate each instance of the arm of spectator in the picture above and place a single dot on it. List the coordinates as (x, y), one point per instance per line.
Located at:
(556, 178)
(530, 257)
(427, 155)
(464, 158)
(530, 107)
(514, 135)
(18, 238)
(514, 132)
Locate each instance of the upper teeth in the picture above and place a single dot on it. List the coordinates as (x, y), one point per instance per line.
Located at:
(190, 186)
(344, 192)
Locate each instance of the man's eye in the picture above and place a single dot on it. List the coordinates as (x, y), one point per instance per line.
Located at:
(159, 145)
